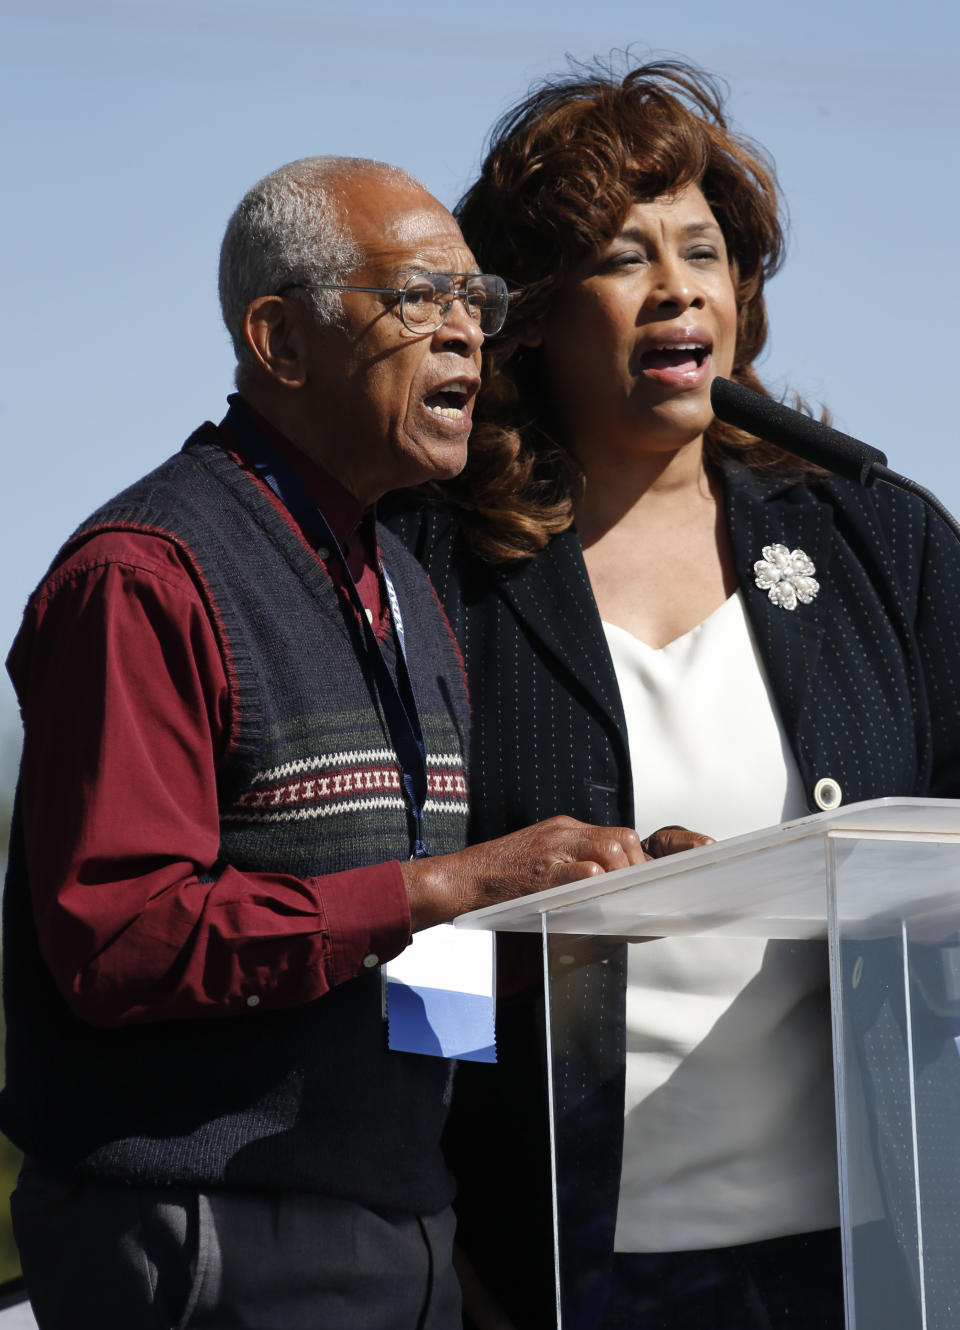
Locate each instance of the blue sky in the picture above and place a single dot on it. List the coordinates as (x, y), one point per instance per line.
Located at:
(131, 128)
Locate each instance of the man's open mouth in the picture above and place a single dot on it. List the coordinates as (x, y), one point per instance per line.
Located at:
(450, 402)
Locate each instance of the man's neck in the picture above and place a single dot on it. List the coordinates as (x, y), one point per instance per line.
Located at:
(342, 510)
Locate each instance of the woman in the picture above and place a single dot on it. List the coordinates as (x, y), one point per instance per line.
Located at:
(628, 662)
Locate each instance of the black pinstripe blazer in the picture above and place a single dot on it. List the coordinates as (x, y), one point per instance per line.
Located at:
(867, 682)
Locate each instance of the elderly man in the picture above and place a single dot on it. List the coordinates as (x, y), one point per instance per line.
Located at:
(242, 791)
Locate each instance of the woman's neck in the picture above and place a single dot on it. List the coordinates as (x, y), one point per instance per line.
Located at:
(632, 490)
(655, 542)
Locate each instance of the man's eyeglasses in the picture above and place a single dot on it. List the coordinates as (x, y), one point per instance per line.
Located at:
(426, 298)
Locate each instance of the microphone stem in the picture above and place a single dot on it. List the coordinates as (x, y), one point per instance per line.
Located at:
(878, 472)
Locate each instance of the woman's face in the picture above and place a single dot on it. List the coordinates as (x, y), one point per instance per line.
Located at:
(637, 332)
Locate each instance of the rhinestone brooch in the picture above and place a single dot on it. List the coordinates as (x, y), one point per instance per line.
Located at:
(786, 576)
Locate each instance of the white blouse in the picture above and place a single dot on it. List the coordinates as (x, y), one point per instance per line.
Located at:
(729, 1127)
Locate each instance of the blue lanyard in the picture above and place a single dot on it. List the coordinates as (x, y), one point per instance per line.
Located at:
(397, 699)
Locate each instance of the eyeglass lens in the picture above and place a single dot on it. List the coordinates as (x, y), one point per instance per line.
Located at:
(428, 297)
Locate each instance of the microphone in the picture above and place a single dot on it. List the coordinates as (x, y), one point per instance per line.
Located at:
(798, 434)
(794, 432)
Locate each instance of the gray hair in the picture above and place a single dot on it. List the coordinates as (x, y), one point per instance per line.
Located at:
(291, 227)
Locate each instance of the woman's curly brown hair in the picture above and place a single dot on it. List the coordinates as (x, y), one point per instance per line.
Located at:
(562, 170)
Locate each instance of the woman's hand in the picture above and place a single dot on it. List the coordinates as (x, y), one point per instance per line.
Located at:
(671, 840)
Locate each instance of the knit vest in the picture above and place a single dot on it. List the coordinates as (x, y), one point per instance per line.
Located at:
(306, 1098)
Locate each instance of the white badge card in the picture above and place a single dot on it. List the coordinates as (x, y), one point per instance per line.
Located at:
(439, 995)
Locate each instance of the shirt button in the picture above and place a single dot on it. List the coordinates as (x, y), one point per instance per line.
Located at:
(827, 794)
(369, 613)
(323, 552)
(253, 1000)
(370, 961)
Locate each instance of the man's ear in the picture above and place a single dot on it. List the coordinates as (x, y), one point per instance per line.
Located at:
(531, 334)
(274, 331)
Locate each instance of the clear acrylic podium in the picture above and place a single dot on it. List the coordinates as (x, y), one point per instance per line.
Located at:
(877, 884)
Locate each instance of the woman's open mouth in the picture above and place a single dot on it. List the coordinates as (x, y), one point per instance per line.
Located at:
(683, 364)
(684, 356)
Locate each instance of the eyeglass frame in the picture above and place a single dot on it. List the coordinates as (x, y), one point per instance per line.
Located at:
(400, 292)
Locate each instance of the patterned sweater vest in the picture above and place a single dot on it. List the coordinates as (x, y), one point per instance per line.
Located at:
(307, 1098)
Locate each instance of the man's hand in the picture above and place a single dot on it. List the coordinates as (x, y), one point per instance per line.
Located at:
(547, 854)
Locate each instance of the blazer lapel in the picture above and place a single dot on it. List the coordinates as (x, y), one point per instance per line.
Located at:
(552, 597)
(773, 512)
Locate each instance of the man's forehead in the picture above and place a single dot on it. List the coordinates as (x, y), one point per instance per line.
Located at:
(428, 224)
(418, 248)
(401, 224)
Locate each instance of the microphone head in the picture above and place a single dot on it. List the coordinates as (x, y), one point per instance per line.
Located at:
(793, 431)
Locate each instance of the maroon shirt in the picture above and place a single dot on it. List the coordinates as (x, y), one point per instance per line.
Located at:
(127, 716)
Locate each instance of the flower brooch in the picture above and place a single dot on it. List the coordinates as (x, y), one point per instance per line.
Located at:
(786, 577)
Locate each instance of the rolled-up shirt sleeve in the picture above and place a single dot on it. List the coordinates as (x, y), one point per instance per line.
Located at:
(126, 707)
